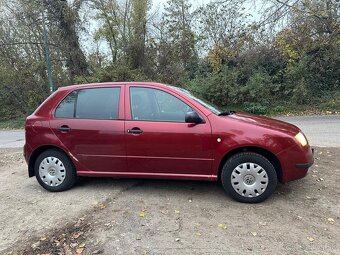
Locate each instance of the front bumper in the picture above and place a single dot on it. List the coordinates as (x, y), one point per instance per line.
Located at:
(306, 165)
(295, 162)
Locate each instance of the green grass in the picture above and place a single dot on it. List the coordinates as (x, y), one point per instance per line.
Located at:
(16, 123)
(325, 108)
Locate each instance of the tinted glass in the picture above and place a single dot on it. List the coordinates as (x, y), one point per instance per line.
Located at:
(101, 103)
(203, 102)
(156, 105)
(66, 108)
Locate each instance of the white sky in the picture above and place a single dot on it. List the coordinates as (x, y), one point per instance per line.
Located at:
(158, 5)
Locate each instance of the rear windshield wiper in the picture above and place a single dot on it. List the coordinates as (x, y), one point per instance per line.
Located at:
(226, 113)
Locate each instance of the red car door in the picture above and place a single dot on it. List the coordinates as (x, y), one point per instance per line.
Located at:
(158, 141)
(89, 122)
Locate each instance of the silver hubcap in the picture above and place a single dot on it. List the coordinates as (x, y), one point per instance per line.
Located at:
(249, 179)
(52, 171)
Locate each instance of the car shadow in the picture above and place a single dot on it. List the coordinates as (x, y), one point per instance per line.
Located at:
(183, 188)
(146, 185)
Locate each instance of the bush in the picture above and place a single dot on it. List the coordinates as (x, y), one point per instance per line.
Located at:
(257, 88)
(255, 108)
(217, 88)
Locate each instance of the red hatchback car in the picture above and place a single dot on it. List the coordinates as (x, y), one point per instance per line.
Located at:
(151, 130)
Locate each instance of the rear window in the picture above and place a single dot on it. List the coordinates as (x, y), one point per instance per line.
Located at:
(99, 103)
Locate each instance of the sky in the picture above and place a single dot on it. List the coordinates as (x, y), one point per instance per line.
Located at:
(194, 3)
(158, 5)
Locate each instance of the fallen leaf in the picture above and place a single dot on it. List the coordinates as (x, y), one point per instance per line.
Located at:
(77, 234)
(102, 206)
(73, 245)
(80, 250)
(254, 233)
(165, 212)
(43, 238)
(221, 225)
(176, 211)
(82, 245)
(198, 234)
(331, 220)
(97, 252)
(142, 215)
(35, 245)
(311, 239)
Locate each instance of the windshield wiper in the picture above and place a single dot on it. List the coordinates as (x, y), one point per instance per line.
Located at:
(226, 113)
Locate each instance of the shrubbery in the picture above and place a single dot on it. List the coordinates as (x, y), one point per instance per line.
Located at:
(212, 49)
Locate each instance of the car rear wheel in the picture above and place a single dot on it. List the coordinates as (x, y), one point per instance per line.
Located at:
(54, 171)
(249, 177)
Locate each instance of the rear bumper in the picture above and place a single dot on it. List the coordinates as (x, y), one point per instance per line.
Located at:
(27, 151)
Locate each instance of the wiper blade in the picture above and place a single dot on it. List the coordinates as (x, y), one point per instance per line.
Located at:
(226, 113)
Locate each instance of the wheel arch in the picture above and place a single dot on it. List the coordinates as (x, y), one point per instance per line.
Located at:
(266, 153)
(36, 154)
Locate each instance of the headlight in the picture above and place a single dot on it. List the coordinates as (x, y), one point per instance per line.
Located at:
(300, 137)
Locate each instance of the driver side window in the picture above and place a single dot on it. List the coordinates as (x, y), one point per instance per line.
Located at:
(150, 104)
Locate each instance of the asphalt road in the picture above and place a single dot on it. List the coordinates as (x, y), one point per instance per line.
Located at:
(321, 131)
(12, 138)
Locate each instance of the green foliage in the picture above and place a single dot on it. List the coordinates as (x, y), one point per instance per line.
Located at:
(14, 123)
(213, 50)
(258, 87)
(217, 88)
(255, 108)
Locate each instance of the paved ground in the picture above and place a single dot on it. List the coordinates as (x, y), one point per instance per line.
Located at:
(107, 216)
(322, 131)
(12, 138)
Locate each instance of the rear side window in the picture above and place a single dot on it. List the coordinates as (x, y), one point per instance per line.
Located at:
(100, 103)
(66, 107)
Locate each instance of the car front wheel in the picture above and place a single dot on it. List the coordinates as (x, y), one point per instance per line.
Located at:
(249, 177)
(54, 171)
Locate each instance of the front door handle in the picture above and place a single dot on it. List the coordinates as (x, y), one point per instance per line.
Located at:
(64, 128)
(135, 130)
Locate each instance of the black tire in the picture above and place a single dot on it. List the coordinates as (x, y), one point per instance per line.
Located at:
(248, 157)
(69, 171)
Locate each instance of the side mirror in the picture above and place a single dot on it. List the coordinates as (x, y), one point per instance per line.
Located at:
(193, 117)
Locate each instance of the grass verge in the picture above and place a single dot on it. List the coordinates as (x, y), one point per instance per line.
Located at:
(16, 123)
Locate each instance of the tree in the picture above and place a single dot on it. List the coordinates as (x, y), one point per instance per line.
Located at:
(66, 19)
(139, 28)
(177, 22)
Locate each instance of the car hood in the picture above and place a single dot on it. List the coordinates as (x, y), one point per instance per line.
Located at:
(266, 122)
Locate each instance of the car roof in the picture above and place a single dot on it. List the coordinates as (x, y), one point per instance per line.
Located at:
(107, 84)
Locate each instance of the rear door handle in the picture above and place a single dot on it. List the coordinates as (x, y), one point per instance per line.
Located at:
(64, 128)
(135, 130)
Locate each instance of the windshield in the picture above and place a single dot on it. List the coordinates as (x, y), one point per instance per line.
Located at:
(211, 107)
